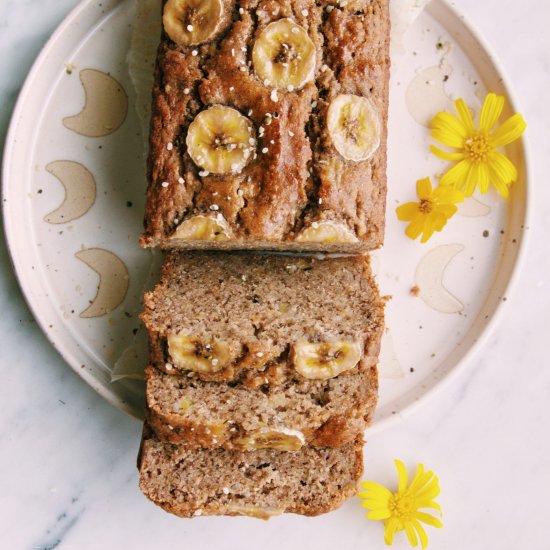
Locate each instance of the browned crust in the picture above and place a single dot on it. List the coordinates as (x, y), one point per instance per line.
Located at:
(302, 178)
(214, 507)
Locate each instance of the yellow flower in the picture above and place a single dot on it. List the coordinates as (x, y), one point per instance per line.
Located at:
(401, 511)
(433, 211)
(478, 163)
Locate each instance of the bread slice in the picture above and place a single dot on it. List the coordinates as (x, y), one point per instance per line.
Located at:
(263, 483)
(323, 413)
(250, 317)
(300, 189)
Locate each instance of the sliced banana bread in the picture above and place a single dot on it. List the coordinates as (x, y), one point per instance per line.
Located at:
(269, 126)
(323, 413)
(258, 319)
(263, 483)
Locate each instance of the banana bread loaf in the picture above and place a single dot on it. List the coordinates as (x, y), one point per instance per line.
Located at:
(258, 318)
(268, 126)
(322, 413)
(263, 483)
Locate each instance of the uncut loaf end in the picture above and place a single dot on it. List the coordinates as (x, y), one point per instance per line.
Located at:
(262, 483)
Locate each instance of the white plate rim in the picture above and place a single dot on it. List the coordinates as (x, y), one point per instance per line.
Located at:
(10, 227)
(466, 360)
(116, 400)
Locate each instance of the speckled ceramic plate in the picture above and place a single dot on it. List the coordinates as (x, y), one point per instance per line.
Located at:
(73, 194)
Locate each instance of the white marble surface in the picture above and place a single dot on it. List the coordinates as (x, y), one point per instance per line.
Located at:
(68, 458)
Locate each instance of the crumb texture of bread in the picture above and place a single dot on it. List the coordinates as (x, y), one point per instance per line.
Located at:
(262, 483)
(296, 178)
(324, 413)
(262, 305)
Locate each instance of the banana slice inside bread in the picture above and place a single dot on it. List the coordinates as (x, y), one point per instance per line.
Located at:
(259, 318)
(323, 413)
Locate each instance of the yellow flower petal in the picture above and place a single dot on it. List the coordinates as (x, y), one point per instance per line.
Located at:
(406, 212)
(444, 155)
(373, 495)
(500, 186)
(428, 519)
(499, 175)
(379, 514)
(464, 114)
(447, 210)
(426, 480)
(449, 123)
(447, 194)
(468, 185)
(411, 534)
(424, 188)
(490, 111)
(440, 219)
(429, 229)
(390, 527)
(448, 139)
(373, 503)
(483, 176)
(456, 175)
(425, 484)
(503, 166)
(416, 482)
(421, 534)
(427, 234)
(510, 130)
(415, 228)
(376, 489)
(429, 491)
(448, 130)
(402, 475)
(432, 504)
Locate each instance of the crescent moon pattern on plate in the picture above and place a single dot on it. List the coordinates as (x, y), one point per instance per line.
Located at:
(105, 108)
(113, 281)
(429, 279)
(472, 208)
(426, 94)
(80, 191)
(388, 363)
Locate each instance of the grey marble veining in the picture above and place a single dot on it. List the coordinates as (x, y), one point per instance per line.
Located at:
(68, 458)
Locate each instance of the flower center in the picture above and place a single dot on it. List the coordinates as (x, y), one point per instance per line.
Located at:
(402, 506)
(425, 206)
(477, 147)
